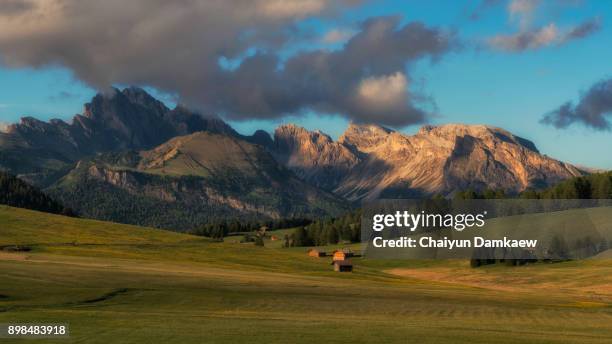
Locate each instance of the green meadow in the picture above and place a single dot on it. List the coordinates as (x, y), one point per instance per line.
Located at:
(127, 284)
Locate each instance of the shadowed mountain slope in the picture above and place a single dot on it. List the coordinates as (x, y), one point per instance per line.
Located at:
(190, 180)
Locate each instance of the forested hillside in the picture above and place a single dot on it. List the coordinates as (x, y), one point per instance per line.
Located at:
(17, 193)
(593, 186)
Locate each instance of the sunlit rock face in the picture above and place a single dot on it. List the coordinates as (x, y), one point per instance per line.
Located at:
(370, 161)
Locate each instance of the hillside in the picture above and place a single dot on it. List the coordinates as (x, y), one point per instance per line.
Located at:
(595, 186)
(17, 193)
(27, 227)
(189, 181)
(369, 162)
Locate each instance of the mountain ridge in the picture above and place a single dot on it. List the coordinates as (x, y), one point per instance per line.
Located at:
(115, 121)
(380, 162)
(128, 136)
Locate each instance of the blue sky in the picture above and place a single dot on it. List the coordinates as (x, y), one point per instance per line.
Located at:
(473, 83)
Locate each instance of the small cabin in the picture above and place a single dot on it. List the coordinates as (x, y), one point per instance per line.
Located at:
(342, 255)
(313, 252)
(274, 238)
(342, 265)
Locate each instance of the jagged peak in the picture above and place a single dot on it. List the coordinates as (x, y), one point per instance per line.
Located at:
(135, 90)
(112, 92)
(480, 131)
(367, 129)
(459, 128)
(295, 130)
(290, 127)
(132, 93)
(364, 137)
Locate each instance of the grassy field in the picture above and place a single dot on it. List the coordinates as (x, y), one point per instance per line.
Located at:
(116, 283)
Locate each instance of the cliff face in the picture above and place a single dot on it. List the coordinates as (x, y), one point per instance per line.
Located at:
(370, 161)
(313, 155)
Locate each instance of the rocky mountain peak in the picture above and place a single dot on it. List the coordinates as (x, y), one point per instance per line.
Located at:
(360, 130)
(112, 121)
(483, 132)
(139, 96)
(364, 137)
(287, 136)
(120, 106)
(313, 155)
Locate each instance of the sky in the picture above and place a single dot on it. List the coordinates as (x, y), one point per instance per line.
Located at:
(540, 69)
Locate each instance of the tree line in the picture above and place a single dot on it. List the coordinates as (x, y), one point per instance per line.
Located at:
(593, 186)
(346, 228)
(17, 193)
(224, 227)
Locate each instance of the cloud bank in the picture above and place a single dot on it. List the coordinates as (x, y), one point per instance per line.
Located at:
(592, 110)
(176, 47)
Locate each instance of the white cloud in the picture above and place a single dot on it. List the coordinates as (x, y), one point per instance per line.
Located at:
(523, 11)
(337, 36)
(549, 35)
(290, 9)
(528, 37)
(528, 40)
(383, 93)
(4, 127)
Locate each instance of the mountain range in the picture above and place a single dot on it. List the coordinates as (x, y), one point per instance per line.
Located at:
(129, 158)
(369, 161)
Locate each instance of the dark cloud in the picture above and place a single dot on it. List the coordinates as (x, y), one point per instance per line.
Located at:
(14, 7)
(365, 79)
(593, 109)
(584, 29)
(176, 47)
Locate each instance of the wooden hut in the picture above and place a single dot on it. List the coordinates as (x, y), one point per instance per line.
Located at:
(342, 265)
(313, 252)
(342, 254)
